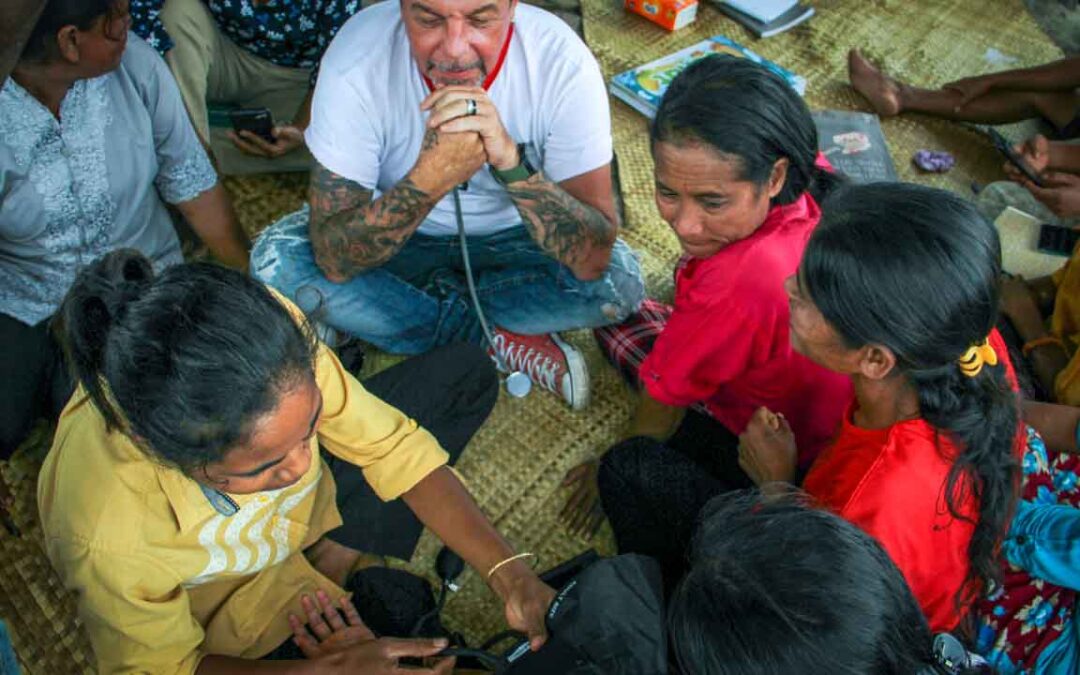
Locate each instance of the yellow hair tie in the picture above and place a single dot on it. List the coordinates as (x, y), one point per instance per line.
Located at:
(973, 360)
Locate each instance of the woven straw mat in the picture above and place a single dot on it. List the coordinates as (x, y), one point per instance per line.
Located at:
(515, 463)
(928, 43)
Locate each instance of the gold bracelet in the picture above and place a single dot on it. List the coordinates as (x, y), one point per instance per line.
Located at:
(496, 566)
(1031, 345)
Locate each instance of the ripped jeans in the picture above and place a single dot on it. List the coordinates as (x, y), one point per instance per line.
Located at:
(419, 298)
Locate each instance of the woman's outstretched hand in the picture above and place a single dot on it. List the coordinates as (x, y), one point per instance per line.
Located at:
(342, 641)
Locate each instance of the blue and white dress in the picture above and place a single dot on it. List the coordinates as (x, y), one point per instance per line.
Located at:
(95, 180)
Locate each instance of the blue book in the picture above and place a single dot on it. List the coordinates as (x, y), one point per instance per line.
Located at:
(644, 86)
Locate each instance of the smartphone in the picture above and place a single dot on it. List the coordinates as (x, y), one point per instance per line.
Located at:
(258, 121)
(1005, 148)
(1057, 240)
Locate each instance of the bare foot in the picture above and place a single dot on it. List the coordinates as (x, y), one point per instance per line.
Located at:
(881, 91)
(336, 562)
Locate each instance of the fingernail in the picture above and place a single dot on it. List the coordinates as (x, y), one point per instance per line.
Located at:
(442, 643)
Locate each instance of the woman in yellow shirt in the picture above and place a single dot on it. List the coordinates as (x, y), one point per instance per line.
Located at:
(185, 499)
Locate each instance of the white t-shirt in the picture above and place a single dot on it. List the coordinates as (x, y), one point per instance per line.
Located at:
(367, 126)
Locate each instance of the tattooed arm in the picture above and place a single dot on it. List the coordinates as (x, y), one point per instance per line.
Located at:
(351, 232)
(574, 220)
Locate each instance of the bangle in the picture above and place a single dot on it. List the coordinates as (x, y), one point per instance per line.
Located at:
(1042, 341)
(519, 556)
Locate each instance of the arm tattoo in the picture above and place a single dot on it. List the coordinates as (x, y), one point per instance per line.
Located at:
(350, 232)
(562, 225)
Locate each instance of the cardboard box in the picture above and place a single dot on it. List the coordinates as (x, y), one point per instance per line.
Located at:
(671, 14)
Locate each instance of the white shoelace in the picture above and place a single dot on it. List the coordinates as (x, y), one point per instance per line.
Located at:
(540, 367)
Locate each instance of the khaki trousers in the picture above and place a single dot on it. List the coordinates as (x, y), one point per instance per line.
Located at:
(211, 68)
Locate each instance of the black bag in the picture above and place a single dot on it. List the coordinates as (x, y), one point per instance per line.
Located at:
(608, 621)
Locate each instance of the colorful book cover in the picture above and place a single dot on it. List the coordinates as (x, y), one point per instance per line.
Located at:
(644, 86)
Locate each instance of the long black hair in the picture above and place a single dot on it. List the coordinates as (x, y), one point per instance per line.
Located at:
(183, 362)
(917, 270)
(743, 110)
(59, 13)
(777, 587)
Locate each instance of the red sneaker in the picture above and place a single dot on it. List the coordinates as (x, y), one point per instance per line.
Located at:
(548, 361)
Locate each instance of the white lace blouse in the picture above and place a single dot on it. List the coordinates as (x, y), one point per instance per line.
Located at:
(97, 179)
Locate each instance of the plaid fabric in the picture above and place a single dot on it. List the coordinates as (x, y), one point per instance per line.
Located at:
(1025, 614)
(627, 344)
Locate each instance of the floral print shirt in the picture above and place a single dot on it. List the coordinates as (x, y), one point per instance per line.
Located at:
(96, 179)
(288, 33)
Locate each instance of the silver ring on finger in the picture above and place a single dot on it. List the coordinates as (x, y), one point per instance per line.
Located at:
(470, 107)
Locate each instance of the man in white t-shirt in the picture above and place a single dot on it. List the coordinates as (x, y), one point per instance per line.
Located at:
(485, 113)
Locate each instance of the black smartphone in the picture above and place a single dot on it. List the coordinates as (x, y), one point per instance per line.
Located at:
(1006, 149)
(258, 121)
(1057, 240)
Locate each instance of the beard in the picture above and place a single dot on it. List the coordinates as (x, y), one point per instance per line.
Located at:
(448, 74)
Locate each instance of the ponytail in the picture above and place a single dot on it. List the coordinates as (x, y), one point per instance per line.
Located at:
(186, 361)
(916, 270)
(980, 415)
(98, 300)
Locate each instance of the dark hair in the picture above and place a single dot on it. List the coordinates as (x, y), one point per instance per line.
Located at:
(184, 362)
(776, 586)
(59, 13)
(916, 269)
(742, 109)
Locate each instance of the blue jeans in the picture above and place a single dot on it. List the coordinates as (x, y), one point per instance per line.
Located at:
(419, 298)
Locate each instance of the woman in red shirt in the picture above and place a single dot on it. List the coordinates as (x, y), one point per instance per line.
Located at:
(898, 289)
(738, 180)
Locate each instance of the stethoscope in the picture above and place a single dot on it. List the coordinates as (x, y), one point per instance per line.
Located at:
(518, 383)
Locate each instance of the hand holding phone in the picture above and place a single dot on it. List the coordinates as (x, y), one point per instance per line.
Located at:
(258, 121)
(1006, 149)
(263, 138)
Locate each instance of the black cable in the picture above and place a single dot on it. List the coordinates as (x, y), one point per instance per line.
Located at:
(439, 604)
(496, 664)
(499, 637)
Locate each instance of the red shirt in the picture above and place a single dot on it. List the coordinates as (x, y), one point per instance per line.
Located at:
(891, 483)
(726, 343)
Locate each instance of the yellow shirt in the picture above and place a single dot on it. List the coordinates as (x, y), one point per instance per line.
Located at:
(1065, 324)
(162, 577)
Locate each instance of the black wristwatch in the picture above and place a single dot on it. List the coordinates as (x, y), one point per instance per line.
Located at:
(523, 171)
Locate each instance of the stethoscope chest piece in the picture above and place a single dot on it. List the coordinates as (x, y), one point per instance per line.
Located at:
(518, 384)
